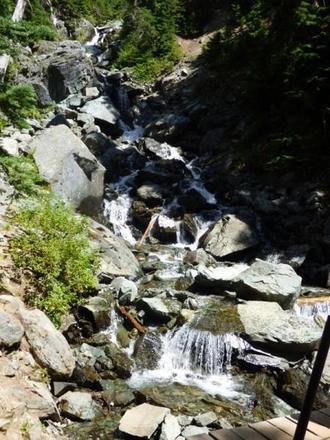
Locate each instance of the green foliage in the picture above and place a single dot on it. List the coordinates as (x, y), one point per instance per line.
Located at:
(53, 244)
(23, 174)
(25, 32)
(18, 103)
(6, 8)
(148, 37)
(277, 56)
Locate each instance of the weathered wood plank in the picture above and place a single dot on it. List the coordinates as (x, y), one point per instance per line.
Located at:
(270, 431)
(320, 418)
(315, 428)
(289, 427)
(246, 433)
(225, 434)
(200, 437)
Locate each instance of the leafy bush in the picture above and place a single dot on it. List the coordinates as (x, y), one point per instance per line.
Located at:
(25, 32)
(23, 174)
(18, 103)
(53, 244)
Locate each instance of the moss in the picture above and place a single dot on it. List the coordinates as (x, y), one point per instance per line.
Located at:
(218, 317)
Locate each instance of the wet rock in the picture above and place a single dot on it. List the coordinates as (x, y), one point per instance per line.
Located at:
(116, 257)
(19, 395)
(88, 356)
(9, 146)
(267, 325)
(268, 282)
(72, 171)
(104, 113)
(117, 393)
(78, 405)
(217, 277)
(147, 351)
(125, 290)
(170, 428)
(199, 256)
(189, 228)
(165, 229)
(143, 420)
(156, 309)
(192, 430)
(255, 362)
(11, 330)
(205, 419)
(97, 311)
(193, 201)
(84, 30)
(141, 214)
(156, 150)
(47, 344)
(151, 194)
(231, 234)
(122, 364)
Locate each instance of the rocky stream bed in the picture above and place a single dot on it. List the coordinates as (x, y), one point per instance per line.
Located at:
(200, 320)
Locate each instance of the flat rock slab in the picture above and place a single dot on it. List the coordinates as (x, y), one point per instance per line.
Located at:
(267, 324)
(143, 420)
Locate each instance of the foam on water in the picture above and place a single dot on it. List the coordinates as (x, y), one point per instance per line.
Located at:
(195, 357)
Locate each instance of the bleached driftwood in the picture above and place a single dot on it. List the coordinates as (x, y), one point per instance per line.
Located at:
(19, 10)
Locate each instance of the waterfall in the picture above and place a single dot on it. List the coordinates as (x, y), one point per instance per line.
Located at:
(116, 211)
(196, 358)
(199, 351)
(312, 309)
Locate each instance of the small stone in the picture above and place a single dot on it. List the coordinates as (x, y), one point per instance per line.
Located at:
(224, 423)
(170, 428)
(206, 419)
(184, 420)
(191, 430)
(92, 92)
(60, 388)
(143, 420)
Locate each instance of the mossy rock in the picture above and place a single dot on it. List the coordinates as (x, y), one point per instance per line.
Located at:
(218, 317)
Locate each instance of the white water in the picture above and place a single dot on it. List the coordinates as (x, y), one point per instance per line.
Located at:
(311, 310)
(112, 330)
(194, 357)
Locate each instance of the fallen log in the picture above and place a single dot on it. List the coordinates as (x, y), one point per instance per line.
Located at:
(19, 10)
(135, 323)
(149, 227)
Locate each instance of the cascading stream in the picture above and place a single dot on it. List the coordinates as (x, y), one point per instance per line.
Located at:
(314, 309)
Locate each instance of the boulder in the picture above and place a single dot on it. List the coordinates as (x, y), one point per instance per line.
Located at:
(199, 256)
(116, 258)
(48, 345)
(206, 419)
(255, 362)
(151, 194)
(217, 277)
(122, 364)
(161, 151)
(268, 326)
(104, 112)
(230, 234)
(126, 291)
(79, 406)
(11, 330)
(70, 168)
(9, 146)
(165, 229)
(189, 228)
(170, 428)
(143, 420)
(192, 430)
(265, 281)
(97, 311)
(147, 351)
(156, 310)
(18, 396)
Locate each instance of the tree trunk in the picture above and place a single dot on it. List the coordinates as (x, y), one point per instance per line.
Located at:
(19, 10)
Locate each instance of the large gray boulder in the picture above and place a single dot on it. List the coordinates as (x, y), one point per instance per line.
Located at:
(18, 396)
(48, 345)
(56, 70)
(229, 235)
(116, 258)
(143, 420)
(70, 168)
(11, 330)
(265, 281)
(267, 325)
(104, 112)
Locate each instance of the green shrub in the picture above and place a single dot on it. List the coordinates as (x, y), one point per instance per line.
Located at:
(18, 103)
(53, 244)
(23, 174)
(25, 32)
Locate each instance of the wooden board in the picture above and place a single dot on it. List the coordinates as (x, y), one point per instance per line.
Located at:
(315, 428)
(246, 433)
(320, 418)
(289, 426)
(225, 434)
(270, 431)
(199, 437)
